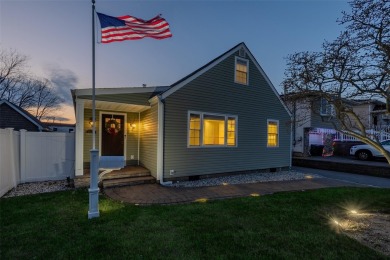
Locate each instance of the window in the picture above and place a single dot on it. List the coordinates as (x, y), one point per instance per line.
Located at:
(231, 131)
(241, 72)
(213, 130)
(209, 130)
(273, 133)
(194, 130)
(326, 109)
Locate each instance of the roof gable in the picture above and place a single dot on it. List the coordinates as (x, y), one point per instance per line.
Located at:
(184, 81)
(23, 113)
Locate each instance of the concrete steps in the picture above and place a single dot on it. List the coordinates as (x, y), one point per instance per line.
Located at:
(127, 176)
(127, 181)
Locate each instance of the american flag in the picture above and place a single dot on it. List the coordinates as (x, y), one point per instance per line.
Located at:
(131, 28)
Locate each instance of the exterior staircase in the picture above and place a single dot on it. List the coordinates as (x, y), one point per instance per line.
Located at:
(122, 177)
(127, 176)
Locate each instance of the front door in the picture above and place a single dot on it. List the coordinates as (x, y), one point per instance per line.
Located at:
(113, 138)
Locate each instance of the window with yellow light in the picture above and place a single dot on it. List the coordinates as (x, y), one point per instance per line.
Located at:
(273, 133)
(241, 75)
(205, 129)
(194, 130)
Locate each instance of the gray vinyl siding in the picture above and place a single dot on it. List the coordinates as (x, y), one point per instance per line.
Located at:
(318, 121)
(133, 98)
(131, 136)
(148, 146)
(215, 92)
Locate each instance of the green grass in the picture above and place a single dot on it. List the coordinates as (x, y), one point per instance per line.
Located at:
(291, 225)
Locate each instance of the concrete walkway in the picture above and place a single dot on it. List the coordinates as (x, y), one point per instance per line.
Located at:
(148, 194)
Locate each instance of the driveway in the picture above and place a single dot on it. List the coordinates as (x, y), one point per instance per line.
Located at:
(352, 178)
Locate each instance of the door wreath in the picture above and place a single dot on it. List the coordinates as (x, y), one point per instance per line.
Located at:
(112, 126)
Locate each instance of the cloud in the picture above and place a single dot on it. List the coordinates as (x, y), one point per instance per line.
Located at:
(63, 81)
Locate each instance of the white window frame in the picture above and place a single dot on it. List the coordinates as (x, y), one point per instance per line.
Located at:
(235, 70)
(201, 144)
(277, 126)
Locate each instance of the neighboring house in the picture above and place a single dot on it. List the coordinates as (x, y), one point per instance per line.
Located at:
(373, 113)
(225, 117)
(313, 122)
(13, 116)
(60, 127)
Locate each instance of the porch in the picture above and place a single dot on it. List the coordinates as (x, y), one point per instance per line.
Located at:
(125, 135)
(127, 176)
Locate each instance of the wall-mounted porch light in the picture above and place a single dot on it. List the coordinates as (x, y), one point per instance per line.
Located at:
(90, 122)
(89, 130)
(131, 126)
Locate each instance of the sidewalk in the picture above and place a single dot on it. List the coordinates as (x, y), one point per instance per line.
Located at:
(148, 194)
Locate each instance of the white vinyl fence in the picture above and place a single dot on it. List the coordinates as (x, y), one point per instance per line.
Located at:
(9, 160)
(34, 156)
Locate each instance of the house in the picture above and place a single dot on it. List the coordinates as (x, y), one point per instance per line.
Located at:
(225, 117)
(313, 122)
(13, 116)
(373, 113)
(60, 127)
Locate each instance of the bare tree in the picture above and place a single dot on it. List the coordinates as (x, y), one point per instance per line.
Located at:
(12, 67)
(369, 24)
(353, 67)
(31, 93)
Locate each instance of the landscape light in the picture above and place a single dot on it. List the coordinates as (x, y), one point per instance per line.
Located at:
(201, 200)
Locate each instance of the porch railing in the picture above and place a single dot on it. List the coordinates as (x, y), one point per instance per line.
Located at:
(382, 133)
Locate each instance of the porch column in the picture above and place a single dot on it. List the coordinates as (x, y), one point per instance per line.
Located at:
(79, 147)
(160, 140)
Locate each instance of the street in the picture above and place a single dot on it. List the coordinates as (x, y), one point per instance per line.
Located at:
(347, 177)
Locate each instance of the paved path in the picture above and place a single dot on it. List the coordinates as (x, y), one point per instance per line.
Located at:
(156, 194)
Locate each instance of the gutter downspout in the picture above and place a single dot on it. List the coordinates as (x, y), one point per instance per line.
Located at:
(160, 142)
(294, 126)
(369, 115)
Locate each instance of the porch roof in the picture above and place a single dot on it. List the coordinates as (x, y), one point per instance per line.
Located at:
(115, 106)
(136, 99)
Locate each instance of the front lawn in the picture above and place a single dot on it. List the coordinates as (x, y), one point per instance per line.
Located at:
(284, 225)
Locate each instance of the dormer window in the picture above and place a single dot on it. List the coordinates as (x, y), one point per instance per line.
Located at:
(242, 71)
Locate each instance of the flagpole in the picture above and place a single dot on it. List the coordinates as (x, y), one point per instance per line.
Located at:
(93, 211)
(93, 77)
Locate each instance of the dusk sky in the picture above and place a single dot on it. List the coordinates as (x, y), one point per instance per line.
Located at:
(56, 36)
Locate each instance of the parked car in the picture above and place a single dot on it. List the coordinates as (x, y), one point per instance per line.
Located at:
(366, 152)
